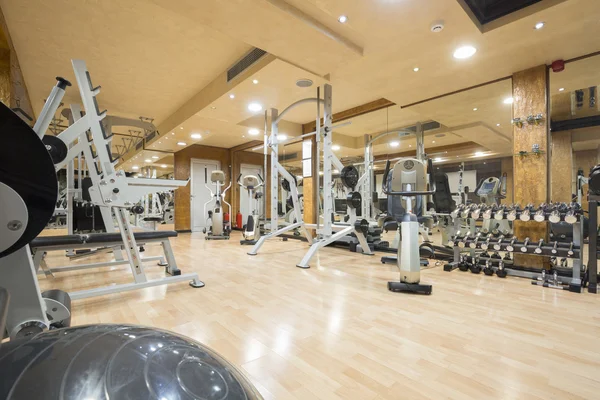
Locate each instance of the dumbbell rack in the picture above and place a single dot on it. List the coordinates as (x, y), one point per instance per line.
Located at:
(509, 245)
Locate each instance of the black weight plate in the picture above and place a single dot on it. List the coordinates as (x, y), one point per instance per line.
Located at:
(349, 176)
(362, 226)
(26, 166)
(56, 147)
(353, 200)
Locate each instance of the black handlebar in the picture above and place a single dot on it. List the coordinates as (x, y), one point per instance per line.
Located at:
(431, 190)
(238, 179)
(261, 179)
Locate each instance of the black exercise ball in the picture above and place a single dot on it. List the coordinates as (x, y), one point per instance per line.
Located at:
(117, 362)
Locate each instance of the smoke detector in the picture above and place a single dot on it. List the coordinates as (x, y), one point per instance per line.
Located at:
(437, 26)
(304, 83)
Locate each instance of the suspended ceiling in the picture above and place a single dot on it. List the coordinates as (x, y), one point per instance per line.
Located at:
(159, 59)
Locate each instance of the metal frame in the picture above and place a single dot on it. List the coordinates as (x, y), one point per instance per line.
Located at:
(195, 179)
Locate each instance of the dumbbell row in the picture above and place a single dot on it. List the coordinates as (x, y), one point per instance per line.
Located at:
(511, 245)
(552, 213)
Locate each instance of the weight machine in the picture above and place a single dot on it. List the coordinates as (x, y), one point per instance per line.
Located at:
(219, 228)
(251, 229)
(111, 190)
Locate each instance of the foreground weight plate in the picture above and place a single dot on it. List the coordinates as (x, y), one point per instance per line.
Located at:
(354, 199)
(362, 226)
(349, 176)
(56, 147)
(26, 166)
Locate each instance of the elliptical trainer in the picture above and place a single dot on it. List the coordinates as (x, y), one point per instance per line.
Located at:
(251, 229)
(409, 179)
(219, 227)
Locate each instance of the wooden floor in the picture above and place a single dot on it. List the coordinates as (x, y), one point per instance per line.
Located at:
(335, 332)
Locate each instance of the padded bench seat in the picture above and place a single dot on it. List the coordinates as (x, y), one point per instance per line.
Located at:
(64, 240)
(95, 238)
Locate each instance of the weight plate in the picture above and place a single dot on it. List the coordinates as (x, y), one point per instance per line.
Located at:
(56, 147)
(349, 176)
(362, 226)
(353, 200)
(26, 166)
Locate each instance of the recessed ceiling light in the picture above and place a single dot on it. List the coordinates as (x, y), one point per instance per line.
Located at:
(464, 52)
(410, 145)
(147, 160)
(181, 127)
(335, 147)
(478, 153)
(159, 142)
(282, 136)
(394, 144)
(437, 159)
(155, 157)
(255, 81)
(508, 100)
(343, 19)
(253, 131)
(232, 96)
(135, 167)
(433, 141)
(540, 25)
(497, 124)
(416, 69)
(254, 107)
(181, 143)
(562, 89)
(304, 83)
(164, 166)
(475, 109)
(196, 136)
(213, 107)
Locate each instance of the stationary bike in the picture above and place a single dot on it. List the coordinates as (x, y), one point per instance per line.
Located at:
(251, 230)
(219, 227)
(409, 180)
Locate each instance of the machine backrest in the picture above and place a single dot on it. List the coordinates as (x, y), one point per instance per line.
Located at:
(395, 208)
(250, 181)
(409, 171)
(217, 176)
(442, 198)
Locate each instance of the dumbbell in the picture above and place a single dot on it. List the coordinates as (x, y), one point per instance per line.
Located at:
(475, 267)
(538, 249)
(453, 240)
(555, 247)
(464, 264)
(499, 213)
(486, 244)
(473, 244)
(512, 213)
(498, 245)
(467, 210)
(570, 252)
(487, 269)
(524, 246)
(496, 256)
(510, 247)
(526, 213)
(461, 243)
(554, 216)
(457, 211)
(570, 216)
(489, 211)
(540, 214)
(501, 272)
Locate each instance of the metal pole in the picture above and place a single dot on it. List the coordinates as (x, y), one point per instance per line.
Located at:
(265, 163)
(274, 172)
(327, 153)
(50, 107)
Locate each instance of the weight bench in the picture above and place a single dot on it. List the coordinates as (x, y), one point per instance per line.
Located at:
(41, 245)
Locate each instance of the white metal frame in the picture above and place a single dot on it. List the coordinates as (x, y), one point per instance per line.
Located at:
(192, 185)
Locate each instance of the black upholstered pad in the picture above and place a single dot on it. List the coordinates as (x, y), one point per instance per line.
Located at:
(65, 240)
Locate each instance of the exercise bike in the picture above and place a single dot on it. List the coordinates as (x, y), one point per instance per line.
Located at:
(251, 229)
(408, 179)
(219, 225)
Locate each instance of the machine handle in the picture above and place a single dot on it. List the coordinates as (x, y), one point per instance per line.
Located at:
(4, 300)
(411, 193)
(205, 176)
(238, 180)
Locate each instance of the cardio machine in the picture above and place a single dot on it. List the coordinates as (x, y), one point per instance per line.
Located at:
(490, 191)
(251, 229)
(408, 179)
(219, 227)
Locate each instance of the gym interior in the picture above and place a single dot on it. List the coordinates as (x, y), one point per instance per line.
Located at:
(288, 199)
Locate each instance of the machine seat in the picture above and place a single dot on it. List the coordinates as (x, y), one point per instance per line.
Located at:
(139, 236)
(64, 240)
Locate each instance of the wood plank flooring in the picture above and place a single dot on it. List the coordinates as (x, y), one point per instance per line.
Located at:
(335, 332)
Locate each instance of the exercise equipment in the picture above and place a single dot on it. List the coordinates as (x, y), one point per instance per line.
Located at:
(117, 362)
(251, 229)
(408, 179)
(217, 221)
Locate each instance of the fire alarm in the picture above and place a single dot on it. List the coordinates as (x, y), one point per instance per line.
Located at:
(437, 26)
(558, 65)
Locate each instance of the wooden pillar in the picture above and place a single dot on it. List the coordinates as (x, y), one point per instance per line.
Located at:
(561, 167)
(310, 189)
(530, 171)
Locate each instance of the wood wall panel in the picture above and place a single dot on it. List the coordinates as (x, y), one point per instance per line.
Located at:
(561, 162)
(182, 170)
(530, 172)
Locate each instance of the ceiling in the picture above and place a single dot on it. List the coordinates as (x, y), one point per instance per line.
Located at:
(165, 60)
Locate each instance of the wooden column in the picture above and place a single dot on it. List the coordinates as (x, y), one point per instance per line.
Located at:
(530, 172)
(310, 187)
(561, 167)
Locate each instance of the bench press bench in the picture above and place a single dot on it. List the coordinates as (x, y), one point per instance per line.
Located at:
(41, 245)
